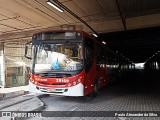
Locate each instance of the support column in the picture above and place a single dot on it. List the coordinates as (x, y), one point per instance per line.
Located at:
(2, 66)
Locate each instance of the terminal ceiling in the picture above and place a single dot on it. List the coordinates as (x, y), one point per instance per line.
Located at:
(19, 19)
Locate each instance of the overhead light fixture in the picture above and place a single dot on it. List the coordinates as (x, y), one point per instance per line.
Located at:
(95, 35)
(54, 6)
(103, 42)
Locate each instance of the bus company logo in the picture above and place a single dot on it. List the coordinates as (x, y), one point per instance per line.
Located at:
(62, 80)
(41, 79)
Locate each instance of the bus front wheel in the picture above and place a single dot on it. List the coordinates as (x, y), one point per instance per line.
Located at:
(95, 91)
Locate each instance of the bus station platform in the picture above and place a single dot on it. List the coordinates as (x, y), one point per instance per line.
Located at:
(19, 99)
(13, 92)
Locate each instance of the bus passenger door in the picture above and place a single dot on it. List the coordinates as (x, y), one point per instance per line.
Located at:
(90, 69)
(101, 66)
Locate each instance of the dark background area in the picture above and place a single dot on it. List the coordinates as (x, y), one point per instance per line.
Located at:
(137, 45)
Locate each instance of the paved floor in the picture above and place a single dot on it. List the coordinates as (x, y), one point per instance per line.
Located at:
(137, 91)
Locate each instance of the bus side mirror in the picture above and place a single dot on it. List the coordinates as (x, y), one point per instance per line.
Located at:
(26, 51)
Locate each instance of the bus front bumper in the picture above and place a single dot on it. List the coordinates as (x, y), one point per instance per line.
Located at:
(77, 90)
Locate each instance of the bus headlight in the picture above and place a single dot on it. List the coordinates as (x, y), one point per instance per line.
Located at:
(69, 84)
(74, 83)
(32, 81)
(79, 80)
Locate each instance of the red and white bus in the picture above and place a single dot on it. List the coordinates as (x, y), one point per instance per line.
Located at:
(70, 63)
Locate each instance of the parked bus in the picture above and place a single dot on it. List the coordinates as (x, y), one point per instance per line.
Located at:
(70, 63)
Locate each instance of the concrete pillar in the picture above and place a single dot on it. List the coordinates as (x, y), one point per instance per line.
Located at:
(24, 74)
(2, 65)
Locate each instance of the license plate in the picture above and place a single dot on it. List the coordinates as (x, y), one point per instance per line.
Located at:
(51, 90)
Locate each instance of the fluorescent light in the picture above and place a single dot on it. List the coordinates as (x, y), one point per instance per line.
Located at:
(54, 6)
(103, 42)
(95, 35)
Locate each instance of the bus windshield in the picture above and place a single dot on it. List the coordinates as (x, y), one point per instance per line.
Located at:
(57, 57)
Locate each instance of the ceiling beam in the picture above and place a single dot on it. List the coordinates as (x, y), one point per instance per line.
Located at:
(74, 15)
(9, 18)
(122, 14)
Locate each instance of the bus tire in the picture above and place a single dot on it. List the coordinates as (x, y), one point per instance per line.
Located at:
(95, 90)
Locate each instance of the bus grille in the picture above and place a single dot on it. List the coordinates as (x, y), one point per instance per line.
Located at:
(56, 90)
(54, 75)
(55, 84)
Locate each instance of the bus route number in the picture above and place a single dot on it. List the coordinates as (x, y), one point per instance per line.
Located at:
(62, 80)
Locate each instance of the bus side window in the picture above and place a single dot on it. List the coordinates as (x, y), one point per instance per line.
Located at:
(98, 61)
(80, 53)
(98, 58)
(89, 54)
(101, 56)
(75, 52)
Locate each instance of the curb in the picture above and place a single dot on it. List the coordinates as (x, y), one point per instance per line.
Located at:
(12, 94)
(6, 103)
(40, 107)
(12, 101)
(31, 105)
(1, 96)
